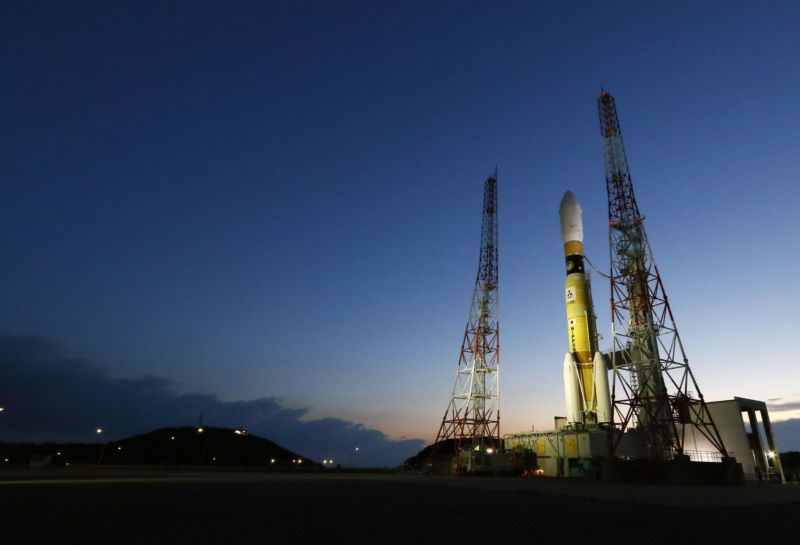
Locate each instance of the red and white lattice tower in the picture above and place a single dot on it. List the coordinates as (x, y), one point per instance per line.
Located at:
(653, 389)
(472, 417)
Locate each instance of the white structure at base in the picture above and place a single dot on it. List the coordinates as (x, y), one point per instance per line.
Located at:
(743, 440)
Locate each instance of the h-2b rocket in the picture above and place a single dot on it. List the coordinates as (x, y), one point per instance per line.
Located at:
(585, 370)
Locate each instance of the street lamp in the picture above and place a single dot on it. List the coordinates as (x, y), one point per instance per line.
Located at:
(169, 447)
(100, 431)
(351, 456)
(200, 431)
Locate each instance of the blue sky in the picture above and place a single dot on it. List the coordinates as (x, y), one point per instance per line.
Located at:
(282, 200)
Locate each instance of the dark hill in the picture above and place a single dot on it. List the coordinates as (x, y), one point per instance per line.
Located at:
(164, 446)
(791, 465)
(443, 450)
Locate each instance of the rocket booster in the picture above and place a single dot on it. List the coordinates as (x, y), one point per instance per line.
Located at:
(585, 373)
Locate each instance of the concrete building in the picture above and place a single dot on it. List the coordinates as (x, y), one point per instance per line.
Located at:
(749, 440)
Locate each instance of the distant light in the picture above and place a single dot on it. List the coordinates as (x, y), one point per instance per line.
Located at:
(6, 460)
(200, 430)
(299, 461)
(67, 464)
(119, 448)
(272, 460)
(99, 430)
(477, 447)
(356, 449)
(2, 409)
(172, 438)
(489, 450)
(237, 432)
(58, 454)
(771, 454)
(214, 459)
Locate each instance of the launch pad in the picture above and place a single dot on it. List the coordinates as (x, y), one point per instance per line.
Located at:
(634, 411)
(570, 453)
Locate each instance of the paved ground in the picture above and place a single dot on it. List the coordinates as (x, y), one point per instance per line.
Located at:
(149, 507)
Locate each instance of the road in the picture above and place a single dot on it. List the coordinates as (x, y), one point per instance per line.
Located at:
(182, 507)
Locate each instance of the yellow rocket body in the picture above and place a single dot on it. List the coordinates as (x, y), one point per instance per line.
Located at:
(585, 370)
(581, 334)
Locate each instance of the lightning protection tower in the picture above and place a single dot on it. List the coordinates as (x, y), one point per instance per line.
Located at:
(653, 389)
(472, 417)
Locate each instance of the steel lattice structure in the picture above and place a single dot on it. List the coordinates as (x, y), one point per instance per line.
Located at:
(473, 413)
(653, 387)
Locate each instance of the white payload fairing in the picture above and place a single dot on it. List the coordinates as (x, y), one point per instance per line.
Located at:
(585, 370)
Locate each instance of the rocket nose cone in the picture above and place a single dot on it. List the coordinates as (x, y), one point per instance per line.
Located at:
(568, 201)
(571, 221)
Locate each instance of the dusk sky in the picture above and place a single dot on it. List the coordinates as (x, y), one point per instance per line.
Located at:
(269, 212)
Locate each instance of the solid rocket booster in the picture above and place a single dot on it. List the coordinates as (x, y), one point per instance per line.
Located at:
(585, 373)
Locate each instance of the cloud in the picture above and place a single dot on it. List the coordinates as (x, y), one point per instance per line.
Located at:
(785, 406)
(787, 434)
(51, 397)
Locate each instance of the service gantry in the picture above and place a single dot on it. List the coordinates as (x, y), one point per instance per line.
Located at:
(472, 417)
(653, 389)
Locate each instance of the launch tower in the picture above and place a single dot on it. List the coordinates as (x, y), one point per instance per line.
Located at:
(472, 418)
(653, 389)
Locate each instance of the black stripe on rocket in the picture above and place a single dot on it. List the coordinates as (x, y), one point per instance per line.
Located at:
(574, 264)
